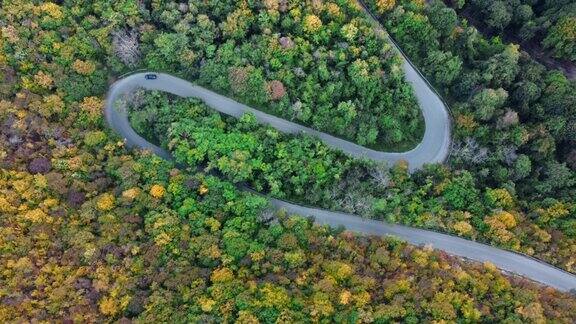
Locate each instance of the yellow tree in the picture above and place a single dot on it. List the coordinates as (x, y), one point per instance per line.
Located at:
(383, 6)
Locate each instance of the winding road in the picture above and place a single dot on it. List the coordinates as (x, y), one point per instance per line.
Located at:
(117, 118)
(434, 148)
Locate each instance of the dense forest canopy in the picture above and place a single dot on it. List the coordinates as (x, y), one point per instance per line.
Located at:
(550, 23)
(304, 170)
(93, 232)
(317, 64)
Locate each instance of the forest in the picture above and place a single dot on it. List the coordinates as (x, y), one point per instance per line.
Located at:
(304, 170)
(319, 65)
(93, 232)
(551, 24)
(514, 123)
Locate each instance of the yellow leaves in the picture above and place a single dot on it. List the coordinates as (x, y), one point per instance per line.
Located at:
(312, 23)
(383, 6)
(397, 287)
(37, 216)
(52, 9)
(50, 104)
(27, 83)
(75, 163)
(130, 194)
(89, 252)
(43, 80)
(49, 203)
(441, 307)
(108, 306)
(502, 219)
(22, 265)
(236, 22)
(164, 221)
(203, 189)
(257, 256)
(419, 3)
(490, 266)
(40, 181)
(105, 202)
(295, 258)
(245, 317)
(94, 138)
(557, 210)
(5, 206)
(541, 234)
(466, 121)
(470, 312)
(214, 252)
(301, 279)
(92, 106)
(162, 239)
(533, 312)
(339, 270)
(567, 27)
(54, 104)
(500, 198)
(420, 257)
(157, 191)
(20, 185)
(273, 296)
(212, 223)
(206, 304)
(333, 10)
(221, 275)
(500, 224)
(362, 299)
(345, 297)
(108, 280)
(349, 31)
(271, 4)
(84, 67)
(10, 33)
(463, 228)
(321, 305)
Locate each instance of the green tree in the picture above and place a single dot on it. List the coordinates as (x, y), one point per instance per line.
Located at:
(498, 15)
(486, 102)
(562, 38)
(443, 67)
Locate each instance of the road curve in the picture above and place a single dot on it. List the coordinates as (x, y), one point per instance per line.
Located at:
(117, 118)
(434, 147)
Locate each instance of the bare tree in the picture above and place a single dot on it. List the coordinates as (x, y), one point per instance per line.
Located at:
(357, 203)
(380, 174)
(509, 154)
(131, 101)
(268, 216)
(469, 151)
(126, 46)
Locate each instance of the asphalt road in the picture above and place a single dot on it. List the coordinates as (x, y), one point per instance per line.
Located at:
(434, 148)
(510, 262)
(117, 118)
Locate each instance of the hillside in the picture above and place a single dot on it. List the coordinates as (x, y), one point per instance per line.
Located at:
(94, 231)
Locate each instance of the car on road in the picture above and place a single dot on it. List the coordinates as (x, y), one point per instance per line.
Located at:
(151, 76)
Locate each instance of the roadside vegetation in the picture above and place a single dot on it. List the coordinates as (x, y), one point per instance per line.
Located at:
(304, 170)
(515, 125)
(93, 232)
(317, 64)
(550, 24)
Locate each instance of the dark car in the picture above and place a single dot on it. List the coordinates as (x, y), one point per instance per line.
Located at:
(151, 76)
